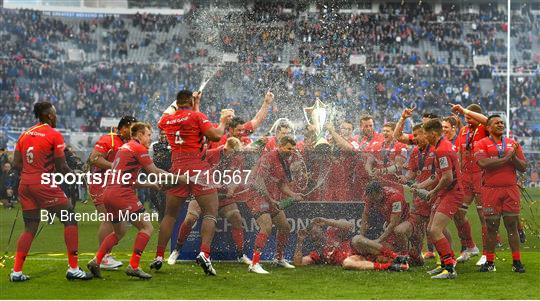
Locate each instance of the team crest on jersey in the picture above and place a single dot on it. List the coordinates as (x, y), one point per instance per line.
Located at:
(396, 207)
(443, 162)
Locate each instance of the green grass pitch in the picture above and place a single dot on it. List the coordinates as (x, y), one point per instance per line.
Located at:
(47, 264)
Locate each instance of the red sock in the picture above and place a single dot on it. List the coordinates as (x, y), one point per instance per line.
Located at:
(23, 246)
(388, 253)
(71, 237)
(260, 241)
(256, 257)
(185, 229)
(445, 251)
(106, 246)
(465, 235)
(238, 237)
(160, 252)
(381, 266)
(138, 247)
(490, 257)
(206, 250)
(516, 256)
(282, 238)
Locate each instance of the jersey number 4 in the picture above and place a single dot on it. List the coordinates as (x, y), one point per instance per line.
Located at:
(177, 138)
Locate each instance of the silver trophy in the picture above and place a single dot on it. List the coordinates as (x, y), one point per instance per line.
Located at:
(317, 115)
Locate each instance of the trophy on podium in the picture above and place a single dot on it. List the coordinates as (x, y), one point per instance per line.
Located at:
(317, 115)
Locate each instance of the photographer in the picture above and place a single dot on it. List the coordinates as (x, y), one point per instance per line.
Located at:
(161, 151)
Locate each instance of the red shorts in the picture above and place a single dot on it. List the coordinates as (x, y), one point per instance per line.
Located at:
(259, 204)
(192, 166)
(421, 207)
(471, 183)
(501, 200)
(449, 202)
(37, 196)
(120, 199)
(96, 193)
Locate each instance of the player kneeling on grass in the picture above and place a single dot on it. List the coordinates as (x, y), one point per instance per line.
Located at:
(500, 158)
(223, 158)
(121, 198)
(385, 208)
(40, 150)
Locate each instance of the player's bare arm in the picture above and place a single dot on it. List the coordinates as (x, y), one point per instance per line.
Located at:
(519, 164)
(215, 133)
(61, 165)
(340, 141)
(481, 118)
(298, 257)
(394, 221)
(97, 160)
(263, 111)
(17, 160)
(446, 179)
(340, 224)
(398, 131)
(295, 195)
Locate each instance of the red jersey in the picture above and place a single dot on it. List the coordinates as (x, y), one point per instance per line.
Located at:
(273, 170)
(501, 176)
(386, 153)
(335, 248)
(271, 144)
(185, 130)
(422, 163)
(130, 158)
(465, 142)
(394, 203)
(365, 144)
(446, 159)
(244, 136)
(107, 145)
(39, 146)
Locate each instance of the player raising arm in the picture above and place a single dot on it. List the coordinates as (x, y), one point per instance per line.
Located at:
(186, 131)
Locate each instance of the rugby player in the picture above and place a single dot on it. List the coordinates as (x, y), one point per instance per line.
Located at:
(40, 150)
(500, 158)
(101, 160)
(224, 158)
(269, 184)
(120, 199)
(186, 130)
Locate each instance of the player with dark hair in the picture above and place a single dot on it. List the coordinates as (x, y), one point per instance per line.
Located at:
(385, 208)
(40, 150)
(398, 129)
(120, 199)
(101, 160)
(447, 195)
(420, 169)
(282, 129)
(239, 129)
(269, 184)
(387, 157)
(451, 128)
(500, 158)
(473, 132)
(187, 129)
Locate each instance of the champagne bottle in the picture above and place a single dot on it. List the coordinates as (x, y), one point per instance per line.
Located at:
(286, 203)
